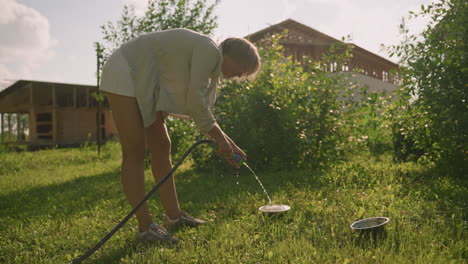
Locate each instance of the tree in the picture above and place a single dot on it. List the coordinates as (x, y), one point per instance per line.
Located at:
(434, 123)
(159, 15)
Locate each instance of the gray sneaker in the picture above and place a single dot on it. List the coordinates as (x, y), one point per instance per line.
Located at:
(156, 233)
(184, 220)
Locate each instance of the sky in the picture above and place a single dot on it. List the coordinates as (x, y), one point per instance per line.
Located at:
(52, 40)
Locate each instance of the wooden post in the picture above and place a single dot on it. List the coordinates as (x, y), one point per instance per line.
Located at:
(32, 115)
(9, 126)
(98, 99)
(54, 116)
(18, 127)
(22, 135)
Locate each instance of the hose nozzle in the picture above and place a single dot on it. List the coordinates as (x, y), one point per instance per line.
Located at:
(238, 159)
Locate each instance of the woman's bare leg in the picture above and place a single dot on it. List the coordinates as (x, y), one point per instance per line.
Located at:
(129, 124)
(159, 143)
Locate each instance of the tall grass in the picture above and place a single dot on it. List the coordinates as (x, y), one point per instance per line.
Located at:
(56, 204)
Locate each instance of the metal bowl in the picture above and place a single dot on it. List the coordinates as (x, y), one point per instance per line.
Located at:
(274, 208)
(370, 231)
(371, 227)
(370, 223)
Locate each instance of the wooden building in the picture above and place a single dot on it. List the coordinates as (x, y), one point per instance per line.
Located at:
(364, 67)
(52, 114)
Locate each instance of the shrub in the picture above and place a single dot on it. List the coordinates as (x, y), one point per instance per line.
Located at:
(294, 114)
(289, 116)
(368, 122)
(431, 121)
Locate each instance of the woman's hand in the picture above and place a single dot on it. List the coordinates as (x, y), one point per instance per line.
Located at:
(225, 150)
(224, 143)
(236, 149)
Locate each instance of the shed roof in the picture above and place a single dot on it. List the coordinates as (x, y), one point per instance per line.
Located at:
(314, 37)
(16, 97)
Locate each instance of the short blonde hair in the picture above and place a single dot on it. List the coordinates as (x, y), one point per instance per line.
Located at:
(243, 52)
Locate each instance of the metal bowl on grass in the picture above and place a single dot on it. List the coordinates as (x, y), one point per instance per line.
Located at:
(274, 209)
(373, 225)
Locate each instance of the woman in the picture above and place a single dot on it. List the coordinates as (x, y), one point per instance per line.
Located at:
(172, 72)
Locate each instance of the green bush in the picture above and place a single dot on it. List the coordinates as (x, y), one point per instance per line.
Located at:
(289, 116)
(368, 122)
(431, 122)
(294, 115)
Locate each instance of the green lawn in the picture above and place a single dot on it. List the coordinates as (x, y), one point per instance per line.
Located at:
(56, 204)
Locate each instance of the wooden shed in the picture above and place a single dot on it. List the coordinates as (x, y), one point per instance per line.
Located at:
(366, 67)
(38, 113)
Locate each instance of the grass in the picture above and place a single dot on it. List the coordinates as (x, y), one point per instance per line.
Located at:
(56, 204)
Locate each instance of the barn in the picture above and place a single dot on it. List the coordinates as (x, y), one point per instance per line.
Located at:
(364, 68)
(37, 114)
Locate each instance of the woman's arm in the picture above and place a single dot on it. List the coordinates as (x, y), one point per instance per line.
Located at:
(205, 57)
(227, 147)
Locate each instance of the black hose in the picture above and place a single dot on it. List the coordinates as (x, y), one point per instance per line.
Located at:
(126, 218)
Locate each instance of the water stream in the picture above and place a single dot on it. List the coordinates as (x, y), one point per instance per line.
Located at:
(256, 177)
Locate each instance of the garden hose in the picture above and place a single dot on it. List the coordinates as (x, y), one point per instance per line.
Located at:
(126, 218)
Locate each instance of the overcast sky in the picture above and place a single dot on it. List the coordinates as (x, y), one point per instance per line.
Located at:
(52, 40)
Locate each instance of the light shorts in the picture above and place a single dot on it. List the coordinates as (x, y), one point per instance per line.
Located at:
(116, 76)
